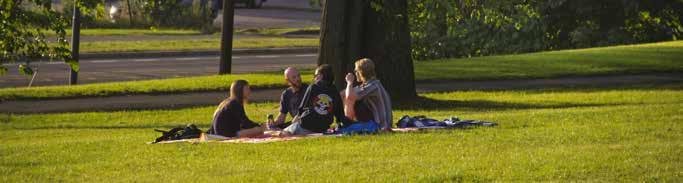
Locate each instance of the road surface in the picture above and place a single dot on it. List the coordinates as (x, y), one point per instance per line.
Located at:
(129, 69)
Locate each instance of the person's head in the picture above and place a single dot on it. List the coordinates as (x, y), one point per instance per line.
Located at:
(324, 73)
(240, 91)
(293, 77)
(365, 70)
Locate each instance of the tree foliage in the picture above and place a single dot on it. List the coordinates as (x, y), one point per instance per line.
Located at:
(23, 28)
(177, 13)
(461, 28)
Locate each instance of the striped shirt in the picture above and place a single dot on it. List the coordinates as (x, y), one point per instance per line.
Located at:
(378, 100)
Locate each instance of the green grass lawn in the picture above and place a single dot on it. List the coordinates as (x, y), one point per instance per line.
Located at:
(181, 32)
(629, 134)
(277, 31)
(657, 57)
(130, 32)
(663, 56)
(175, 85)
(195, 44)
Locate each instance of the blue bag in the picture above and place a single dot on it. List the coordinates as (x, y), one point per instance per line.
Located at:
(369, 127)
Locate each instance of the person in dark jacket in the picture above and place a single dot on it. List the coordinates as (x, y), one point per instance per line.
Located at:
(230, 119)
(321, 104)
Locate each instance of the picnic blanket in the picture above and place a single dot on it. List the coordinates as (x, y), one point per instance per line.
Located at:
(269, 136)
(405, 124)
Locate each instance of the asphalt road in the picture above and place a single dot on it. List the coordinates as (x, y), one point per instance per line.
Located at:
(273, 17)
(129, 69)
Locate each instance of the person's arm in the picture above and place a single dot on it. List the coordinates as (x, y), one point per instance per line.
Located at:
(245, 122)
(349, 97)
(282, 116)
(247, 127)
(363, 91)
(339, 112)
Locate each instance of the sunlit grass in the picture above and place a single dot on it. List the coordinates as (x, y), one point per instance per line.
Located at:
(195, 44)
(606, 135)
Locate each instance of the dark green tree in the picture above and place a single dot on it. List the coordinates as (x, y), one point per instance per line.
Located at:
(460, 28)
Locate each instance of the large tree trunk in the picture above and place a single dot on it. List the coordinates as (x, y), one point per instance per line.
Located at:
(353, 29)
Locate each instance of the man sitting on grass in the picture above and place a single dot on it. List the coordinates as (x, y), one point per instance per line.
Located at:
(321, 104)
(369, 97)
(290, 98)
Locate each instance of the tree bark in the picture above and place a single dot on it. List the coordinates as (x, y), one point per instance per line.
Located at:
(353, 29)
(130, 13)
(225, 66)
(333, 38)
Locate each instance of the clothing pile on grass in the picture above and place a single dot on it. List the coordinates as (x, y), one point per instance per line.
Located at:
(425, 122)
(192, 134)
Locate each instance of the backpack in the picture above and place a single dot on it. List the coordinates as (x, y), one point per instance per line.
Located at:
(188, 132)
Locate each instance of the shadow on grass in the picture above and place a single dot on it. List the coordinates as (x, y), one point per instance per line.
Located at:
(424, 103)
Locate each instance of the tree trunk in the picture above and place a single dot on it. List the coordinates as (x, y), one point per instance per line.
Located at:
(353, 29)
(130, 14)
(75, 42)
(225, 66)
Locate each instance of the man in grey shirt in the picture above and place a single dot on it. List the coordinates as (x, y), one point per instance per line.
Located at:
(370, 91)
(291, 97)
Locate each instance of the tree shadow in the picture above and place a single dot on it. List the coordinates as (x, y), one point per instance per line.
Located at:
(424, 103)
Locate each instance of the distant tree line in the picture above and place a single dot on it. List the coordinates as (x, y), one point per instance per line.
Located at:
(463, 28)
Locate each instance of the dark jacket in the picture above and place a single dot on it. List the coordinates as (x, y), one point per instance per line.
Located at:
(230, 119)
(324, 103)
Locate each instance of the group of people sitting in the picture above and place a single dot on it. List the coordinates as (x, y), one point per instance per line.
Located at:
(313, 108)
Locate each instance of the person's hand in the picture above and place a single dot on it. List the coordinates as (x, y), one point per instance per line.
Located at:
(350, 78)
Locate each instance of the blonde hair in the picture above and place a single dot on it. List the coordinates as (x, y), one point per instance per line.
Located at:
(367, 69)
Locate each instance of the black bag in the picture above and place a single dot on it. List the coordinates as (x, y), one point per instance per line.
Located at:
(190, 131)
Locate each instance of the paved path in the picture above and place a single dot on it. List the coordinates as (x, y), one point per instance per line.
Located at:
(136, 102)
(291, 4)
(269, 17)
(128, 69)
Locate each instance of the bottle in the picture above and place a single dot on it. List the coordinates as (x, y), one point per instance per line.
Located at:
(270, 122)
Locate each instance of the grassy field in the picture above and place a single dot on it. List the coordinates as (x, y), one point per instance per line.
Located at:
(175, 85)
(195, 44)
(629, 134)
(664, 56)
(183, 32)
(130, 32)
(657, 57)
